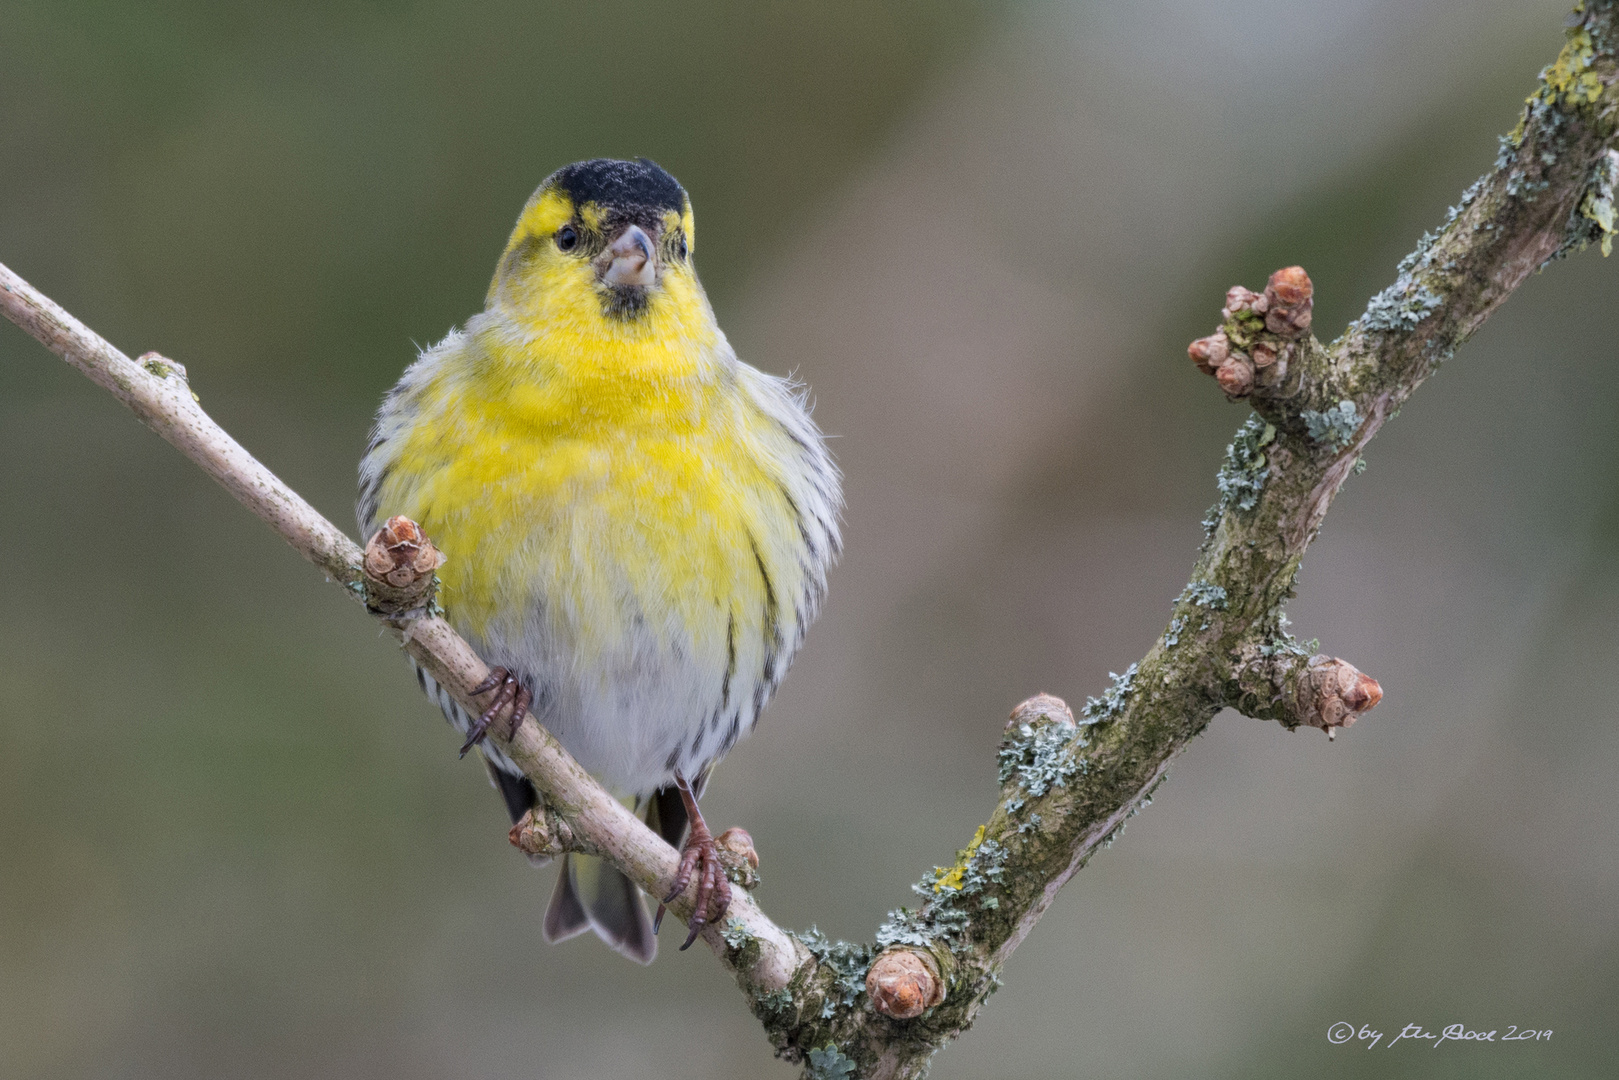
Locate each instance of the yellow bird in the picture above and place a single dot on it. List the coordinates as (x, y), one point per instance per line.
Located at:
(638, 525)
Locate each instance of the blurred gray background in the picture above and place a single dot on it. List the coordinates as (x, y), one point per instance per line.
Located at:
(236, 842)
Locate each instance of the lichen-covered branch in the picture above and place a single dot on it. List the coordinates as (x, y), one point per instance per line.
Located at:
(1068, 783)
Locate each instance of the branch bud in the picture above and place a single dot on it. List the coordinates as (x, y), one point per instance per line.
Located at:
(540, 834)
(1239, 300)
(1333, 693)
(399, 564)
(904, 984)
(1288, 302)
(1038, 708)
(737, 855)
(1209, 353)
(157, 364)
(1236, 375)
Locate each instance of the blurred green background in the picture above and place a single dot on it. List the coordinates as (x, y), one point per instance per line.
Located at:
(235, 841)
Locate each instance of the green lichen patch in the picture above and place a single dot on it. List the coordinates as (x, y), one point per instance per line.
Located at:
(846, 963)
(828, 1063)
(1401, 306)
(735, 936)
(1281, 643)
(1420, 252)
(1570, 83)
(738, 941)
(1172, 636)
(1469, 197)
(906, 927)
(953, 896)
(1593, 222)
(978, 866)
(1334, 427)
(939, 921)
(1113, 698)
(1521, 186)
(952, 891)
(1204, 594)
(952, 877)
(1040, 757)
(775, 1002)
(1244, 471)
(1570, 80)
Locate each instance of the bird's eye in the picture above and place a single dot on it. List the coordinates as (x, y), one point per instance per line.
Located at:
(680, 246)
(567, 238)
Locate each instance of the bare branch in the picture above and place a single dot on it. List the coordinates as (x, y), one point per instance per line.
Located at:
(1069, 783)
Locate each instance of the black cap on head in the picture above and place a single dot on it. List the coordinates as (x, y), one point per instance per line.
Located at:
(620, 184)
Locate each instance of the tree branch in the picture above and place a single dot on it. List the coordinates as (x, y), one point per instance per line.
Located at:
(1068, 783)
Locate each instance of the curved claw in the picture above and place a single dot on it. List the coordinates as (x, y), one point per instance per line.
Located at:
(713, 897)
(688, 863)
(475, 736)
(508, 692)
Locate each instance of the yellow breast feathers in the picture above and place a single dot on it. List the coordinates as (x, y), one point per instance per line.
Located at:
(633, 519)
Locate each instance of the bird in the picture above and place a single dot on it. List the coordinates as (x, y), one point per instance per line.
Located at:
(637, 525)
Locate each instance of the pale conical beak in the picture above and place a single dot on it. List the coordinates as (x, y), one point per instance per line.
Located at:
(632, 262)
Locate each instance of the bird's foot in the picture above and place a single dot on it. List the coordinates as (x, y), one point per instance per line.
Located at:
(699, 859)
(508, 692)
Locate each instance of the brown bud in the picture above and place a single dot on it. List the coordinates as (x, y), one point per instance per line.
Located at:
(1290, 323)
(1290, 286)
(1263, 354)
(739, 842)
(540, 834)
(1289, 299)
(1239, 300)
(1041, 707)
(738, 857)
(1236, 375)
(399, 564)
(904, 984)
(1334, 693)
(1208, 353)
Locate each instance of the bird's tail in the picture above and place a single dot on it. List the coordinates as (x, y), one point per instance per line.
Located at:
(591, 894)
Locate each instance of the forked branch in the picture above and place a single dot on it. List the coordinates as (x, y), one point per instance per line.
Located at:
(1069, 782)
